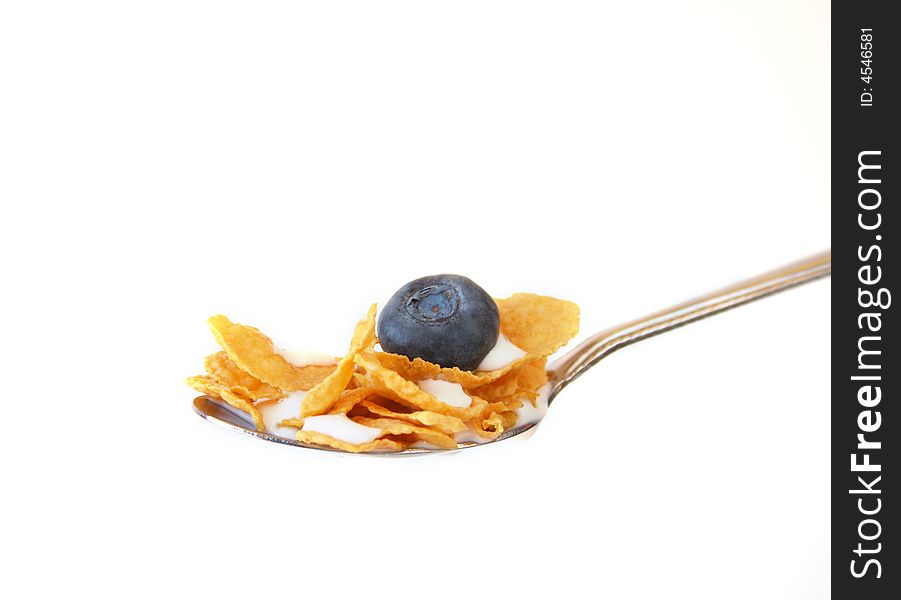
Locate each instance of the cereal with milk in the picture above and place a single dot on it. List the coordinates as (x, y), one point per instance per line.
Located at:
(373, 400)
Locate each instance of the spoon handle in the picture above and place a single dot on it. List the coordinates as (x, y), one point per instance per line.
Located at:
(587, 354)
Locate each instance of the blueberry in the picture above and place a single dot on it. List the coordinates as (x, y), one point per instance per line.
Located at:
(444, 319)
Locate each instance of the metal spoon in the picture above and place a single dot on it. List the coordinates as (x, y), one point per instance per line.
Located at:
(577, 361)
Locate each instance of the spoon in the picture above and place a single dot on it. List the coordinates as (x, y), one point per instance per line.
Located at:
(577, 361)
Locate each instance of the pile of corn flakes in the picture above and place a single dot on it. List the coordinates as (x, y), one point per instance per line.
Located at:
(379, 389)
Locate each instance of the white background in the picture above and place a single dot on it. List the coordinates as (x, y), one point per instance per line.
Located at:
(289, 163)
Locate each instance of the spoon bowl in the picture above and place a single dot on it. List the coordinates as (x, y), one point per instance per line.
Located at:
(577, 361)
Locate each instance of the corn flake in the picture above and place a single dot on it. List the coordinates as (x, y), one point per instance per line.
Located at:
(540, 325)
(390, 384)
(209, 386)
(397, 427)
(253, 352)
(320, 439)
(221, 368)
(443, 423)
(320, 399)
